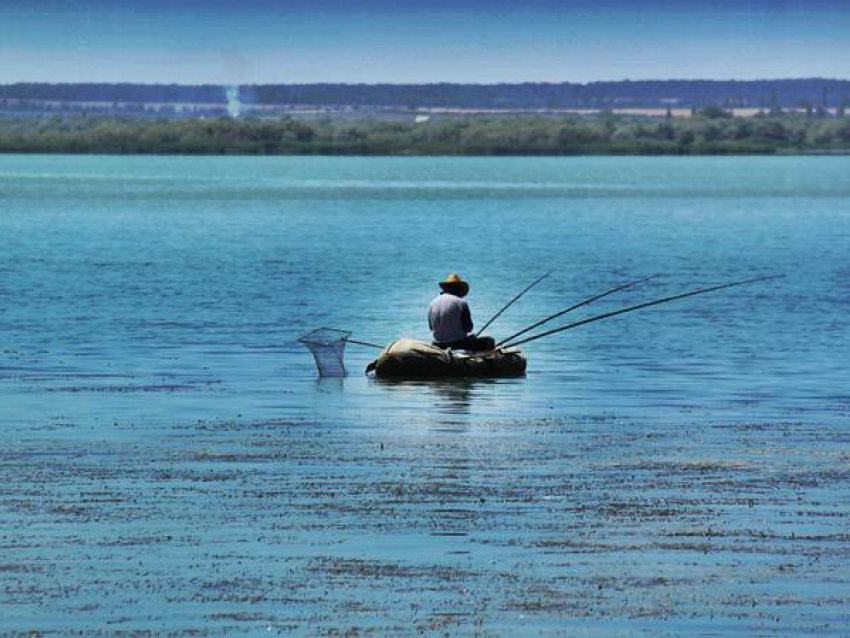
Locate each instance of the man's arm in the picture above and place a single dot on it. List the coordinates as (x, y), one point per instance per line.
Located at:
(466, 318)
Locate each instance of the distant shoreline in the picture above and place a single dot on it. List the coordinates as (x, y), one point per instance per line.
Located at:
(836, 153)
(709, 132)
(214, 100)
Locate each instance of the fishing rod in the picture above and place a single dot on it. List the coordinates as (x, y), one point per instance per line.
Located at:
(641, 306)
(364, 343)
(575, 307)
(511, 302)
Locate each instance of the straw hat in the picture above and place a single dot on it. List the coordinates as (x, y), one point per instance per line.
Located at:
(454, 285)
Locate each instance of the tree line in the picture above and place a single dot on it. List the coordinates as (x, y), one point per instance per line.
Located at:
(710, 132)
(791, 93)
(788, 93)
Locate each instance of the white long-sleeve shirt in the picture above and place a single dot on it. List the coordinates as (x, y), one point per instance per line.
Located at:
(449, 318)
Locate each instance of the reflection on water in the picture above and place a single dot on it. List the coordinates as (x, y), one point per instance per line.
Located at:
(330, 385)
(446, 396)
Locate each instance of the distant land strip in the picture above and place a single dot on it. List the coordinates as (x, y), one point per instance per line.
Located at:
(172, 100)
(708, 131)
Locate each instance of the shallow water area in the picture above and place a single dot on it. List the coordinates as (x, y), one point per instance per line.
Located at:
(171, 463)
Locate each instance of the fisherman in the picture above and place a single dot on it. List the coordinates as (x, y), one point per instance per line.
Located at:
(450, 320)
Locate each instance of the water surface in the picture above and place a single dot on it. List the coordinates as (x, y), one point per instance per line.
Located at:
(172, 463)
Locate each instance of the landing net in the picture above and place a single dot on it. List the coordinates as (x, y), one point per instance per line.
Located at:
(327, 346)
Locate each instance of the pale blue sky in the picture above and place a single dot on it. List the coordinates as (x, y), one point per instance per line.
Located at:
(379, 41)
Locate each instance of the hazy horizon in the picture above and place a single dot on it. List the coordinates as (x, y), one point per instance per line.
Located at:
(376, 41)
(436, 82)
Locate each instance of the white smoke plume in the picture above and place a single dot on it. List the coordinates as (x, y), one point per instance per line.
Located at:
(234, 106)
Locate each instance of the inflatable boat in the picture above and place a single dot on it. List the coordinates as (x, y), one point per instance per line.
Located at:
(409, 359)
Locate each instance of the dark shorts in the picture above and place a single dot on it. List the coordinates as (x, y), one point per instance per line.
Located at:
(471, 344)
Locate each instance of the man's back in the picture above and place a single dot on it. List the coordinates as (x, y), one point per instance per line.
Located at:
(449, 318)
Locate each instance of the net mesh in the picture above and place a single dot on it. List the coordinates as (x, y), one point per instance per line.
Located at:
(327, 346)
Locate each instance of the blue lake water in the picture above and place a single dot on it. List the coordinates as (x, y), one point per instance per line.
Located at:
(151, 387)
